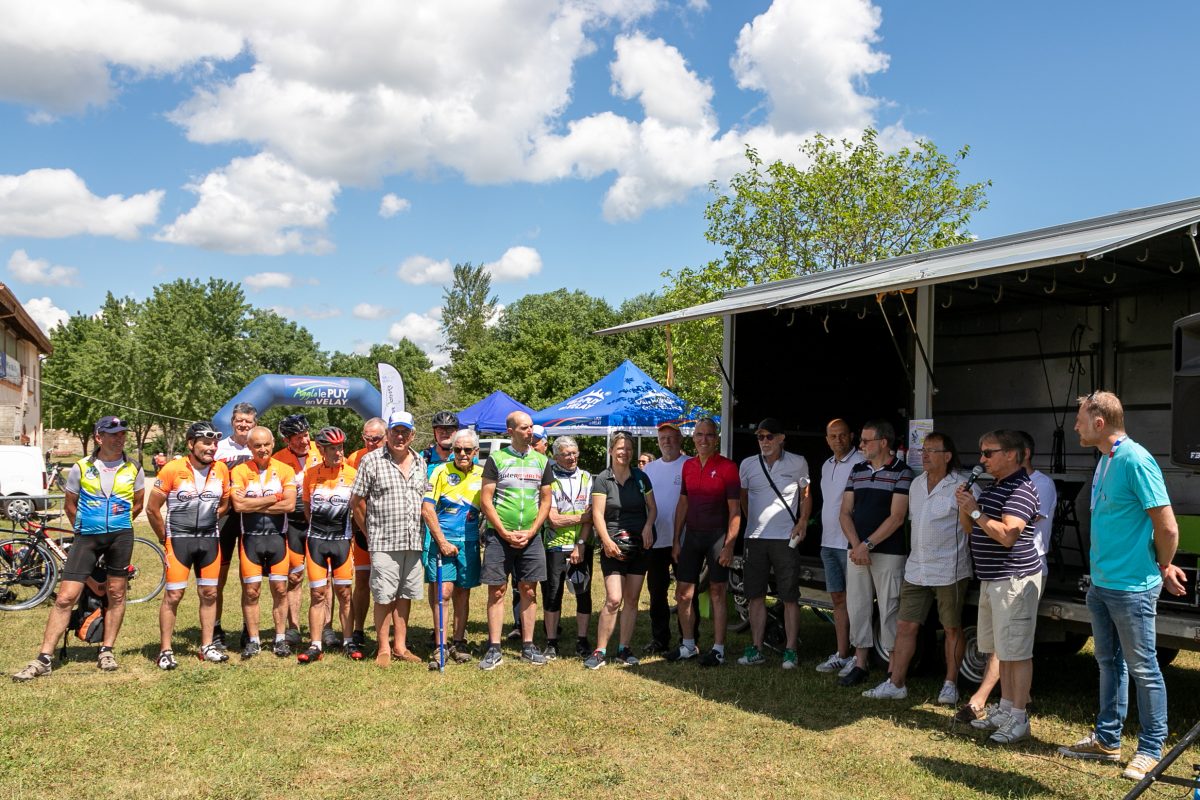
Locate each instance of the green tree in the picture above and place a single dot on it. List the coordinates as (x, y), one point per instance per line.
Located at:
(72, 376)
(467, 307)
(852, 204)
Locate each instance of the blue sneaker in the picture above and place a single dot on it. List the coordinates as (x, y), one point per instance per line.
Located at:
(491, 659)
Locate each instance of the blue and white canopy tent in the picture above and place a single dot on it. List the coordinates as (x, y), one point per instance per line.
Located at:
(624, 399)
(490, 414)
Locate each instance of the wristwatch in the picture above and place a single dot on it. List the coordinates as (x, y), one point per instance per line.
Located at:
(870, 545)
(976, 514)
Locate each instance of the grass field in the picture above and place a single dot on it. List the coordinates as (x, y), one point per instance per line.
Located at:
(270, 728)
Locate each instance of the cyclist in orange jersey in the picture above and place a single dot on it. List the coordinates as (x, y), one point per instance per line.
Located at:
(299, 453)
(373, 432)
(327, 555)
(263, 492)
(189, 495)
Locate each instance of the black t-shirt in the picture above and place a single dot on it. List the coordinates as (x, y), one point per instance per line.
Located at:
(624, 504)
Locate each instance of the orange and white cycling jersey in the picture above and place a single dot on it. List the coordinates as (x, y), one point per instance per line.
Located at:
(192, 497)
(327, 495)
(289, 458)
(269, 482)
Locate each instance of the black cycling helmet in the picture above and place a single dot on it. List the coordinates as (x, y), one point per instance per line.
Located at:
(202, 430)
(330, 436)
(445, 419)
(293, 424)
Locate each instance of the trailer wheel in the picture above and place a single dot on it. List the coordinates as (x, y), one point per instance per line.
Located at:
(1071, 644)
(974, 663)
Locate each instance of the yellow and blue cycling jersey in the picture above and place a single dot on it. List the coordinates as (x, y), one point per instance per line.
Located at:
(454, 496)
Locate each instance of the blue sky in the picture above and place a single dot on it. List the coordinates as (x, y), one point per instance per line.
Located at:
(338, 160)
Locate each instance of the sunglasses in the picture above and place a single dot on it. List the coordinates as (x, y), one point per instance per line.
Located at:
(211, 435)
(372, 439)
(991, 452)
(465, 450)
(764, 437)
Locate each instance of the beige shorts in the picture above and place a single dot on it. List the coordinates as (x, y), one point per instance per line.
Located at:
(396, 575)
(1008, 616)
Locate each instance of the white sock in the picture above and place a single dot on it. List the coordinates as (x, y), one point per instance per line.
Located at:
(279, 637)
(1006, 705)
(720, 648)
(690, 644)
(1019, 714)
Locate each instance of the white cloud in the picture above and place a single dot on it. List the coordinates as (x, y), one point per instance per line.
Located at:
(419, 270)
(306, 312)
(656, 73)
(425, 331)
(369, 311)
(517, 263)
(37, 270)
(52, 203)
(391, 205)
(258, 205)
(810, 57)
(45, 313)
(269, 280)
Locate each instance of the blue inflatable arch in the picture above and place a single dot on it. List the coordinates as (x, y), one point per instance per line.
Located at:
(268, 391)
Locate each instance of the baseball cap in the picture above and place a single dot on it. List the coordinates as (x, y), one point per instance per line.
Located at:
(402, 419)
(539, 433)
(668, 425)
(770, 425)
(111, 425)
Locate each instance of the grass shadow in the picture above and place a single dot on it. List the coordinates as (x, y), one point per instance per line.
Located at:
(986, 780)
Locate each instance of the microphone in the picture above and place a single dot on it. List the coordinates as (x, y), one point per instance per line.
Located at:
(975, 473)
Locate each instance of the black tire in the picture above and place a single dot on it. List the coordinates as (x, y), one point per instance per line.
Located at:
(974, 663)
(18, 507)
(150, 571)
(28, 574)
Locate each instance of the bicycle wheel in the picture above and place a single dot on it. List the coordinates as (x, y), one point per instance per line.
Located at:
(28, 573)
(149, 573)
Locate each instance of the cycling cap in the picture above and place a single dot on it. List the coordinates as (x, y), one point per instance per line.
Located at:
(330, 436)
(293, 424)
(539, 433)
(445, 419)
(202, 430)
(578, 576)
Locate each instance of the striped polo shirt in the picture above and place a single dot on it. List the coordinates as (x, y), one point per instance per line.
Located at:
(1016, 497)
(873, 490)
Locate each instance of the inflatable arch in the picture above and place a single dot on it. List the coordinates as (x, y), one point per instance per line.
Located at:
(268, 391)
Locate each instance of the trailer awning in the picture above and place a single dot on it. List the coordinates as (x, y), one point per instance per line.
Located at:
(1070, 243)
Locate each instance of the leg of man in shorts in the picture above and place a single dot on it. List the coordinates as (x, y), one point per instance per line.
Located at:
(528, 565)
(230, 538)
(186, 555)
(360, 602)
(263, 556)
(328, 561)
(695, 549)
(762, 557)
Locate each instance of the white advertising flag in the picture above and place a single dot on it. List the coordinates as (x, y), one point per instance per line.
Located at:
(391, 386)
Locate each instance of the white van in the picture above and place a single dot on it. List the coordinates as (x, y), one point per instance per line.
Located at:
(22, 480)
(486, 446)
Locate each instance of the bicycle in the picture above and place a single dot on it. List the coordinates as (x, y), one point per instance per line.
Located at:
(30, 564)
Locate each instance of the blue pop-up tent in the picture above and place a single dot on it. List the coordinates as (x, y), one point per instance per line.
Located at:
(624, 399)
(490, 413)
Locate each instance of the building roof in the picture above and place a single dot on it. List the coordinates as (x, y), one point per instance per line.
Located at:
(1069, 243)
(14, 315)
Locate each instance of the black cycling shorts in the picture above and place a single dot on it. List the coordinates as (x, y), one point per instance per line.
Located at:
(231, 531)
(115, 547)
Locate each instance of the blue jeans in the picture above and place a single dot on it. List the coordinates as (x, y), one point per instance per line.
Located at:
(1123, 633)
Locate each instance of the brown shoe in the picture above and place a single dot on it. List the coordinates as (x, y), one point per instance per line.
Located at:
(406, 655)
(967, 714)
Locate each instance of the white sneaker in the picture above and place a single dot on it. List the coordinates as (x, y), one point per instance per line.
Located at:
(1011, 731)
(1139, 765)
(887, 691)
(948, 696)
(847, 667)
(831, 664)
(214, 654)
(992, 720)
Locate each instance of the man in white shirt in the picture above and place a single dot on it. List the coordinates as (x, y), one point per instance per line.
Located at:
(938, 569)
(665, 475)
(776, 502)
(834, 473)
(234, 449)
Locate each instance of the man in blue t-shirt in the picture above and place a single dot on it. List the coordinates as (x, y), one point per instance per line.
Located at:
(1134, 536)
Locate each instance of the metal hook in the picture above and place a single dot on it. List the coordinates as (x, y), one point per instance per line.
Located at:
(949, 300)
(999, 294)
(845, 303)
(1024, 277)
(862, 313)
(1176, 270)
(825, 322)
(792, 319)
(1110, 280)
(974, 284)
(1053, 285)
(1145, 256)
(1082, 266)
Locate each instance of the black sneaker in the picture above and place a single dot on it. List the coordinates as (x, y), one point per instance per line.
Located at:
(218, 640)
(583, 648)
(292, 637)
(854, 677)
(359, 638)
(550, 652)
(245, 636)
(655, 649)
(330, 639)
(352, 651)
(282, 649)
(313, 653)
(251, 649)
(625, 656)
(713, 658)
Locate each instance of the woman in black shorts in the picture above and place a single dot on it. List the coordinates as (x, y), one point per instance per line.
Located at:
(623, 513)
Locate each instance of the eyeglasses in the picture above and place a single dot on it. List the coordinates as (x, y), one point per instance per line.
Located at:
(465, 450)
(931, 450)
(372, 439)
(991, 451)
(868, 441)
(568, 454)
(401, 431)
(764, 437)
(212, 435)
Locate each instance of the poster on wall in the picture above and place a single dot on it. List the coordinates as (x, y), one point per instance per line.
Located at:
(918, 429)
